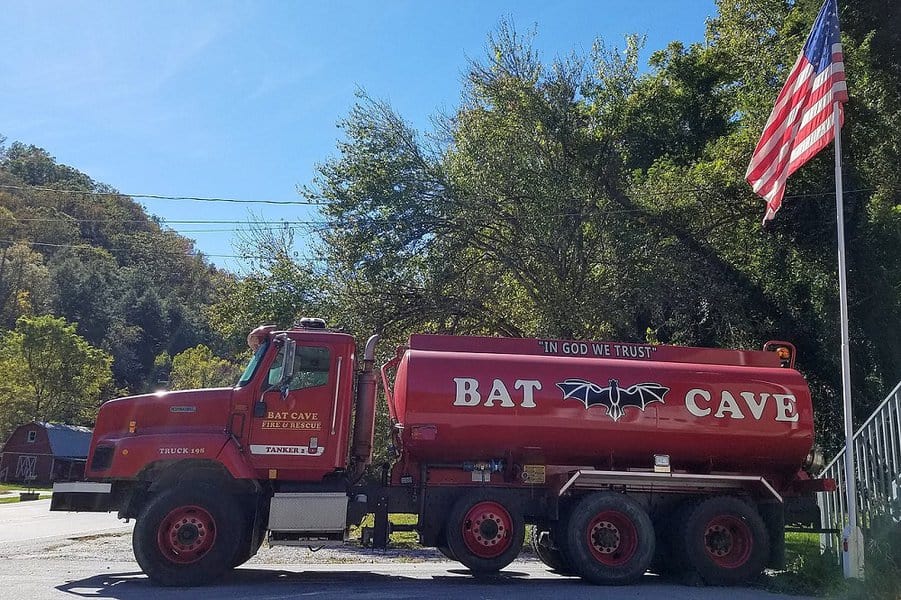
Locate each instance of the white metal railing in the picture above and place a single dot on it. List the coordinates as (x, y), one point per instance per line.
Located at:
(877, 459)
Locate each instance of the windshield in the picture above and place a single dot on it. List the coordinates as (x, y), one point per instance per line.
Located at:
(251, 368)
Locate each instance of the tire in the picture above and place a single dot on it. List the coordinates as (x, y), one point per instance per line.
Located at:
(667, 561)
(250, 541)
(542, 542)
(724, 540)
(187, 536)
(609, 539)
(485, 532)
(444, 549)
(247, 553)
(662, 563)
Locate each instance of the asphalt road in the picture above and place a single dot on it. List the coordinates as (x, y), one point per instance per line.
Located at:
(33, 521)
(47, 555)
(34, 580)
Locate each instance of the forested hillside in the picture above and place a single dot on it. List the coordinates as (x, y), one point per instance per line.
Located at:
(72, 248)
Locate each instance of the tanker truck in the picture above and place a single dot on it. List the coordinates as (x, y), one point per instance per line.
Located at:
(617, 455)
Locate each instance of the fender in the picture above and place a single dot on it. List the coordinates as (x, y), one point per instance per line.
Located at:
(232, 457)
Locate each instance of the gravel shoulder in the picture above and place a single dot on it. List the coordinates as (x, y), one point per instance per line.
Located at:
(115, 546)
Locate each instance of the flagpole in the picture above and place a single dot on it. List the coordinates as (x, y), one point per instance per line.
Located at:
(852, 539)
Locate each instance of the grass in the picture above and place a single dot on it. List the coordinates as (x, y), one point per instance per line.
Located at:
(808, 570)
(398, 539)
(15, 499)
(811, 572)
(15, 487)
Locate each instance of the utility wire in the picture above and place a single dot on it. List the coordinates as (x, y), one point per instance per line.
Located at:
(160, 196)
(346, 221)
(165, 221)
(651, 193)
(156, 250)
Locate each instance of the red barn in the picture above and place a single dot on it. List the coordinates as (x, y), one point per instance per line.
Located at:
(45, 452)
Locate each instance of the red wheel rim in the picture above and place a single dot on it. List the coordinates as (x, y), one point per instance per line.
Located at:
(487, 529)
(186, 534)
(728, 541)
(612, 538)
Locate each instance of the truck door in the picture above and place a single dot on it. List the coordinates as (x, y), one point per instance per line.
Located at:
(293, 439)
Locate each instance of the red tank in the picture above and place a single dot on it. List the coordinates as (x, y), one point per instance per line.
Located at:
(601, 404)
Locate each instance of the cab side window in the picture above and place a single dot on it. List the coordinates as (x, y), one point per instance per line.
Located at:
(311, 367)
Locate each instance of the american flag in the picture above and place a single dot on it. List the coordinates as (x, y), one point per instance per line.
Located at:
(802, 121)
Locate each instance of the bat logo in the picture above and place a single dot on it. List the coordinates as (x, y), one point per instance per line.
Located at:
(614, 398)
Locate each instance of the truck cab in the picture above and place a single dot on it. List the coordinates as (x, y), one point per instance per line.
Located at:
(291, 408)
(209, 473)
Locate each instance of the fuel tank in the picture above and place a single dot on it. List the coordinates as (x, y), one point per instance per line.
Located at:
(601, 404)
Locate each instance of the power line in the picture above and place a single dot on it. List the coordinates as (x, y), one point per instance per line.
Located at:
(161, 196)
(166, 221)
(156, 250)
(652, 193)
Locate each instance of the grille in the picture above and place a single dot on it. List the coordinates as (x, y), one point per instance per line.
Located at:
(103, 458)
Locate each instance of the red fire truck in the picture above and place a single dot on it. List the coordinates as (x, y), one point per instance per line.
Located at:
(617, 454)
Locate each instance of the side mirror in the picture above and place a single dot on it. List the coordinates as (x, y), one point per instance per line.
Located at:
(284, 380)
(288, 362)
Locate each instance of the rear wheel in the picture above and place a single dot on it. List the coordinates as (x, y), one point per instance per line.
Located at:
(543, 545)
(186, 537)
(609, 539)
(666, 561)
(485, 532)
(724, 540)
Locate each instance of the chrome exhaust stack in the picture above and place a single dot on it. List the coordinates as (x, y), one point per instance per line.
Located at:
(364, 420)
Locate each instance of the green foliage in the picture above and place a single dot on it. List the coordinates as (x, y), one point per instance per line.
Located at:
(24, 283)
(74, 248)
(50, 374)
(808, 569)
(584, 198)
(197, 367)
(278, 291)
(579, 198)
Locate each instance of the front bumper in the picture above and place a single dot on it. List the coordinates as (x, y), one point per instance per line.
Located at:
(83, 496)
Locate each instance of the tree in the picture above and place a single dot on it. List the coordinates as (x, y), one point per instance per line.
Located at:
(78, 249)
(50, 374)
(583, 198)
(277, 291)
(24, 283)
(197, 367)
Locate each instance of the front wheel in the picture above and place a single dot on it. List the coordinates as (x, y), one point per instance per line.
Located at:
(485, 532)
(444, 549)
(609, 539)
(186, 537)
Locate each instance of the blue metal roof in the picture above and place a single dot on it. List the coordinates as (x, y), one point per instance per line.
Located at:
(68, 441)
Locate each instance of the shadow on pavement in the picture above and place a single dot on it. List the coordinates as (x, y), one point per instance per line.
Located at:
(277, 583)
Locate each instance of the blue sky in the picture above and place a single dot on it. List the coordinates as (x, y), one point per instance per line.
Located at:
(241, 99)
